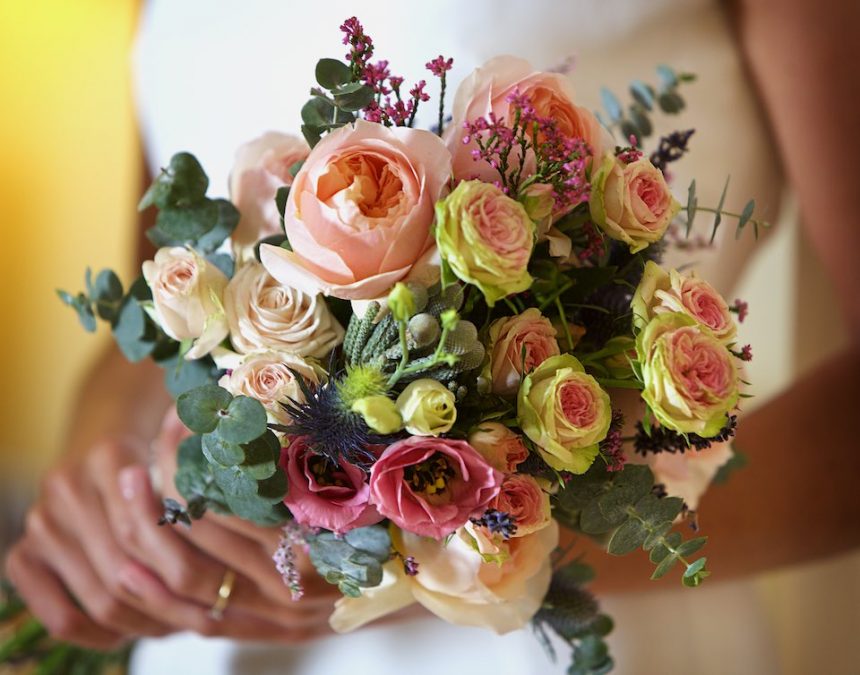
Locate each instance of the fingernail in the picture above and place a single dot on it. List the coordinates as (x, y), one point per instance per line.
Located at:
(129, 482)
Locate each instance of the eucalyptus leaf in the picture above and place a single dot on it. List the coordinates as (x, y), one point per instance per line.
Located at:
(221, 451)
(227, 218)
(188, 223)
(718, 216)
(692, 204)
(200, 409)
(665, 565)
(610, 104)
(243, 420)
(373, 540)
(129, 331)
(331, 73)
(627, 538)
(182, 183)
(691, 546)
(355, 100)
(642, 94)
(746, 214)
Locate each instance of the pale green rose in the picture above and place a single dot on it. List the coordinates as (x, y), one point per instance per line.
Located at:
(565, 412)
(631, 202)
(379, 413)
(623, 350)
(427, 408)
(660, 292)
(486, 238)
(691, 382)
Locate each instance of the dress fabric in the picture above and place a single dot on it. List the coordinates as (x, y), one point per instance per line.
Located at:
(210, 76)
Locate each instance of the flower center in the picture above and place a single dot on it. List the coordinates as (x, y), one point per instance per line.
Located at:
(431, 476)
(366, 181)
(577, 404)
(325, 473)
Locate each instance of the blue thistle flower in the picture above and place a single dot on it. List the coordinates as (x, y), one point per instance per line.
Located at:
(498, 522)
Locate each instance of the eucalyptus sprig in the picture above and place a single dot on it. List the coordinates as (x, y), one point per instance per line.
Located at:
(744, 218)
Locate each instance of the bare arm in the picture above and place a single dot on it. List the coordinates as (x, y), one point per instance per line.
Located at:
(797, 498)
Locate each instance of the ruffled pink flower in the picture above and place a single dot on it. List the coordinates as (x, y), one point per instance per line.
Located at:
(518, 345)
(522, 498)
(432, 486)
(324, 495)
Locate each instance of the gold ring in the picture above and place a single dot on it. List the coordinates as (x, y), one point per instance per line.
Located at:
(224, 593)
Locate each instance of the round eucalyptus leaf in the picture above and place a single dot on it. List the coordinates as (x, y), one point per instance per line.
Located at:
(200, 409)
(222, 452)
(243, 420)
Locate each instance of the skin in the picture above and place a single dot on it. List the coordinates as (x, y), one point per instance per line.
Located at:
(92, 535)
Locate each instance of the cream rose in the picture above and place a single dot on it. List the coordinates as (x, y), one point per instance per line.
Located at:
(427, 408)
(270, 377)
(260, 168)
(187, 297)
(486, 91)
(631, 202)
(456, 584)
(517, 345)
(501, 447)
(264, 314)
(660, 292)
(360, 211)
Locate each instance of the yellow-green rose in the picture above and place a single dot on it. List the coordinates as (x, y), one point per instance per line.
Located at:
(565, 412)
(379, 413)
(486, 238)
(427, 408)
(631, 202)
(690, 378)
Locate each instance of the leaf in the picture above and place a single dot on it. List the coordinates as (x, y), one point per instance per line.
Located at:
(354, 100)
(182, 183)
(670, 103)
(627, 538)
(180, 375)
(317, 112)
(227, 219)
(331, 73)
(746, 214)
(690, 547)
(665, 565)
(667, 76)
(695, 573)
(189, 223)
(296, 167)
(106, 293)
(660, 551)
(656, 510)
(642, 94)
(311, 134)
(129, 331)
(243, 420)
(262, 456)
(373, 540)
(66, 297)
(656, 535)
(610, 104)
(718, 216)
(641, 120)
(222, 452)
(692, 204)
(281, 197)
(223, 262)
(200, 409)
(630, 130)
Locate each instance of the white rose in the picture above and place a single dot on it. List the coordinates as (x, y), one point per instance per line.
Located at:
(261, 167)
(265, 314)
(187, 296)
(457, 585)
(269, 378)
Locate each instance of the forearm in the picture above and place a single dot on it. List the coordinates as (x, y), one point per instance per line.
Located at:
(117, 399)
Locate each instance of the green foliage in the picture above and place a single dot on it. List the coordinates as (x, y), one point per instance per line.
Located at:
(744, 218)
(351, 562)
(635, 120)
(186, 217)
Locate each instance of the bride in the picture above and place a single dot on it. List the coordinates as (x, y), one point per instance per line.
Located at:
(768, 107)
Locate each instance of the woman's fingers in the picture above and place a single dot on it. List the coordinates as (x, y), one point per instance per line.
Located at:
(48, 601)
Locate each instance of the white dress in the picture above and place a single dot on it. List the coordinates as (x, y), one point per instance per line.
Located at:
(212, 75)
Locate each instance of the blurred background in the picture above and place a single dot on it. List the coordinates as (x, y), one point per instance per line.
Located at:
(70, 176)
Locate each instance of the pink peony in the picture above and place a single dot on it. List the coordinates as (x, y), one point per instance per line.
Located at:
(487, 90)
(321, 494)
(518, 345)
(261, 167)
(432, 486)
(360, 211)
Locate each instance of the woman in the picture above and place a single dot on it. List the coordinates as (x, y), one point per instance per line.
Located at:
(96, 537)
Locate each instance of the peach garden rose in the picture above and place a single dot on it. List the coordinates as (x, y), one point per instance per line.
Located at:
(187, 295)
(359, 213)
(565, 412)
(260, 168)
(631, 202)
(517, 345)
(500, 446)
(487, 90)
(691, 382)
(660, 292)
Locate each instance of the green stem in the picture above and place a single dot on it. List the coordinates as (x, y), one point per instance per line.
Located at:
(662, 541)
(564, 326)
(442, 102)
(555, 294)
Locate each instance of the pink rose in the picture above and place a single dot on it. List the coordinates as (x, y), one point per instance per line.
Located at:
(432, 486)
(500, 446)
(261, 167)
(486, 91)
(660, 292)
(518, 345)
(321, 494)
(360, 212)
(522, 498)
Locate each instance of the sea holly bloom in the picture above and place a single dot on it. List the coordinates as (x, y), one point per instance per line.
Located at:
(323, 494)
(432, 486)
(458, 584)
(359, 212)
(565, 412)
(486, 238)
(631, 202)
(264, 314)
(260, 168)
(501, 447)
(660, 292)
(187, 295)
(691, 382)
(517, 345)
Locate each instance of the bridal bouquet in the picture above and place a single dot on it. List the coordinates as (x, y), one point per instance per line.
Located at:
(436, 357)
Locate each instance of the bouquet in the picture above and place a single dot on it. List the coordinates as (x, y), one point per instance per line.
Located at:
(436, 357)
